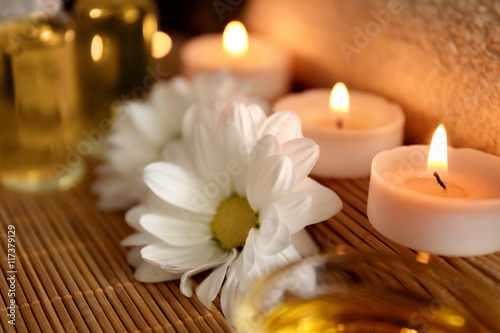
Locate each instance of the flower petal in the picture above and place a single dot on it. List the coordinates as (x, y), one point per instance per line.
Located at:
(129, 161)
(175, 152)
(156, 205)
(150, 273)
(181, 259)
(249, 252)
(139, 239)
(170, 105)
(186, 286)
(252, 158)
(195, 114)
(287, 256)
(294, 209)
(134, 214)
(258, 114)
(209, 161)
(186, 283)
(304, 243)
(248, 273)
(275, 176)
(178, 187)
(274, 235)
(265, 147)
(238, 115)
(209, 288)
(284, 125)
(326, 202)
(237, 156)
(145, 121)
(228, 292)
(176, 232)
(304, 153)
(115, 192)
(134, 256)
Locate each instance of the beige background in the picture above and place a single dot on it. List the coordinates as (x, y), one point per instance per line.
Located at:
(440, 60)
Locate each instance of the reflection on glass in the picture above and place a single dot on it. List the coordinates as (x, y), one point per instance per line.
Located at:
(162, 44)
(95, 13)
(96, 48)
(113, 41)
(131, 15)
(355, 293)
(39, 124)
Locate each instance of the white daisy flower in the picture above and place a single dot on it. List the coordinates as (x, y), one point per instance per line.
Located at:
(143, 129)
(233, 196)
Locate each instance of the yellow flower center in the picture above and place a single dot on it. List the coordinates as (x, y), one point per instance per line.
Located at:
(233, 222)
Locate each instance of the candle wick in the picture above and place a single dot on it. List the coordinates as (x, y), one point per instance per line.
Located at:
(440, 182)
(340, 124)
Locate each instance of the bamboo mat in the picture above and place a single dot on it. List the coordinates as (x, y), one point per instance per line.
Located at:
(72, 276)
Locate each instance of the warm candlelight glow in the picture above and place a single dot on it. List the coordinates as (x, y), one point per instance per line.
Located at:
(162, 44)
(339, 104)
(96, 48)
(131, 16)
(339, 99)
(412, 201)
(235, 38)
(95, 13)
(46, 35)
(438, 153)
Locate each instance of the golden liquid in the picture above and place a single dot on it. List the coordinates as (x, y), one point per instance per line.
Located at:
(113, 53)
(38, 121)
(336, 315)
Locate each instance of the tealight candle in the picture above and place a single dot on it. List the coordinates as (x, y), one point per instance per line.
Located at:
(447, 204)
(349, 127)
(255, 59)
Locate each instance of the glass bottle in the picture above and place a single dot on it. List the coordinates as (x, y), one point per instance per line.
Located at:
(39, 124)
(113, 40)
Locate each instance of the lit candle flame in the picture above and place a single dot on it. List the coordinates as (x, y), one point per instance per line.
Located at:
(438, 153)
(235, 38)
(162, 44)
(339, 102)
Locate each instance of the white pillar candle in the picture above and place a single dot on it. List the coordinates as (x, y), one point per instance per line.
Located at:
(255, 59)
(349, 133)
(408, 205)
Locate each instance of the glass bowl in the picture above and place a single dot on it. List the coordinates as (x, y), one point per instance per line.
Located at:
(366, 293)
